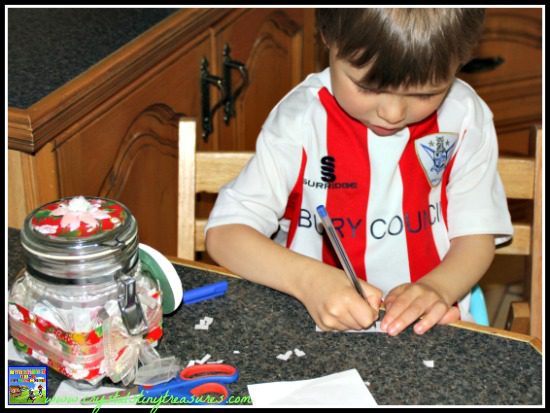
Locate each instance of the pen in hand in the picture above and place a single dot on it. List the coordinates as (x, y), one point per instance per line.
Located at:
(340, 251)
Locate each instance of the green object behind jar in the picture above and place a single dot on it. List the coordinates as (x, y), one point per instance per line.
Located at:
(163, 271)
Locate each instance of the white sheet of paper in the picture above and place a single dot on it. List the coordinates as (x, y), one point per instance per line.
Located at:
(375, 328)
(339, 389)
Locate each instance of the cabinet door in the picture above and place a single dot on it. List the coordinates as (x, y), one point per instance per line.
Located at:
(126, 148)
(513, 88)
(277, 47)
(129, 151)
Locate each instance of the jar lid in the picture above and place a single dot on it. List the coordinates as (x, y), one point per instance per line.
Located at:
(80, 238)
(78, 218)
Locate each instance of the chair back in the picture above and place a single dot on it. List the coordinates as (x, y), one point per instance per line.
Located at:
(200, 172)
(522, 179)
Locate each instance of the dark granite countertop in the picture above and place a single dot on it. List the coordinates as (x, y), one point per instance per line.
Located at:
(471, 368)
(47, 47)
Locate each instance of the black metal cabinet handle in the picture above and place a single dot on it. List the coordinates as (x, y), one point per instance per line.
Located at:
(207, 113)
(230, 98)
(224, 84)
(482, 64)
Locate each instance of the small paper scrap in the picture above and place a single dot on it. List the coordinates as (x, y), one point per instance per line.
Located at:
(428, 363)
(288, 354)
(204, 323)
(203, 360)
(299, 352)
(285, 356)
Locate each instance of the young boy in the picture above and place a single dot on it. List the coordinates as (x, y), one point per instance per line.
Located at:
(403, 155)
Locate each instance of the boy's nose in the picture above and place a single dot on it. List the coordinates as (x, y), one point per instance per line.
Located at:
(392, 109)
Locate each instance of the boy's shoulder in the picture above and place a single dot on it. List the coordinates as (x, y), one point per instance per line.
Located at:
(463, 92)
(461, 88)
(303, 96)
(294, 116)
(463, 99)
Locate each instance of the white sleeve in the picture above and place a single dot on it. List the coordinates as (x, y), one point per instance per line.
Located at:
(476, 199)
(258, 196)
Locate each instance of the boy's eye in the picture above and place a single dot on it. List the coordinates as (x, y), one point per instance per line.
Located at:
(424, 97)
(366, 89)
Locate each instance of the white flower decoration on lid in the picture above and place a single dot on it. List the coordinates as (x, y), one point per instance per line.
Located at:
(79, 210)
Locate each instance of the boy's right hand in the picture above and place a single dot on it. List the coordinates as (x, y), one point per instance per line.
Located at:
(334, 304)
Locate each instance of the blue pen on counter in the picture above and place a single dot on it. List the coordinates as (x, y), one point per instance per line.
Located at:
(339, 248)
(205, 292)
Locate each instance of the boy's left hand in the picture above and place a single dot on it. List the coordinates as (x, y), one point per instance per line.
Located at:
(408, 302)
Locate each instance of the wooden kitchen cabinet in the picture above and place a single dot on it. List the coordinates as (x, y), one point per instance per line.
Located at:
(513, 87)
(112, 131)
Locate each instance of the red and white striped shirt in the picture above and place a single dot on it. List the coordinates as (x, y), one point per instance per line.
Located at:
(396, 201)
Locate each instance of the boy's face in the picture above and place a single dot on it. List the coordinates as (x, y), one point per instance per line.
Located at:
(385, 112)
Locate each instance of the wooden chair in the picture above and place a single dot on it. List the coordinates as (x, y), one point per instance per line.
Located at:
(199, 172)
(522, 179)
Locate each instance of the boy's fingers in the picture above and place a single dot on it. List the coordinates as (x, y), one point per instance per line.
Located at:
(373, 295)
(395, 306)
(364, 316)
(393, 295)
(339, 319)
(346, 322)
(357, 315)
(452, 315)
(431, 317)
(408, 316)
(374, 301)
(330, 324)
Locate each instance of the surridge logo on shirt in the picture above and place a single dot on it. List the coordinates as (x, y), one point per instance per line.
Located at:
(434, 153)
(328, 177)
(328, 169)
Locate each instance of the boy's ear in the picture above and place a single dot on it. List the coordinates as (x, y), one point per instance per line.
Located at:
(324, 40)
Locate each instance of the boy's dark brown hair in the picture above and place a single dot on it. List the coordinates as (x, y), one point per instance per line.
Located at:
(405, 47)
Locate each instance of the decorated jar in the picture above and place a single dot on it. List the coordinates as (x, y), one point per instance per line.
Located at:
(89, 303)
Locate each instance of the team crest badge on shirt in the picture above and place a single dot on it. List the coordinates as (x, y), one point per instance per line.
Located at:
(434, 153)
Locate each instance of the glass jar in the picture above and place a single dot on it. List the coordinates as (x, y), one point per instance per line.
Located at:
(85, 305)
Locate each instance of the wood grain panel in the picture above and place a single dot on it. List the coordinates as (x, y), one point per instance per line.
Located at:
(518, 175)
(32, 181)
(144, 176)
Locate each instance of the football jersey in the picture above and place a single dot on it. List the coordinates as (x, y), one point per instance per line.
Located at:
(396, 201)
